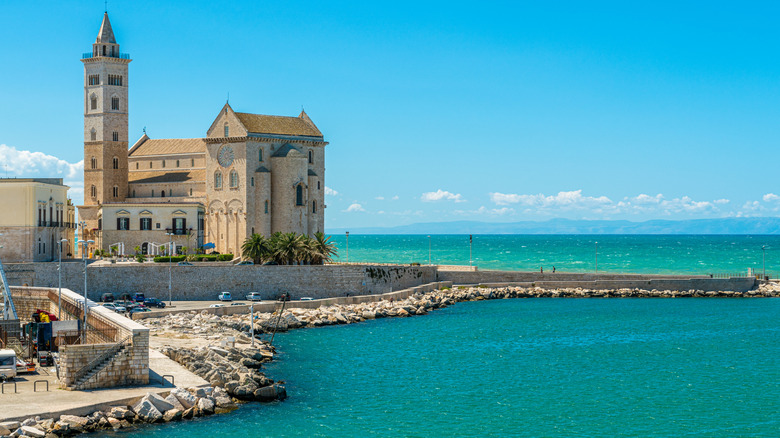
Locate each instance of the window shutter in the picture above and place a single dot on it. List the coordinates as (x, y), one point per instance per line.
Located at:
(119, 223)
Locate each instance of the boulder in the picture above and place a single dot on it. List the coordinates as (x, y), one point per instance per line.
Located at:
(262, 380)
(250, 363)
(74, 422)
(114, 423)
(28, 422)
(32, 431)
(159, 403)
(172, 415)
(219, 392)
(224, 402)
(244, 392)
(206, 405)
(231, 386)
(204, 392)
(10, 425)
(219, 351)
(368, 314)
(175, 402)
(185, 398)
(124, 424)
(4, 430)
(121, 413)
(188, 413)
(267, 393)
(147, 411)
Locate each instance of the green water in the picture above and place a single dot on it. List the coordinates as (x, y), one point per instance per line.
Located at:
(649, 254)
(527, 367)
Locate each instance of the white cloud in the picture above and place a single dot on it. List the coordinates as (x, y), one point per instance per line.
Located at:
(23, 163)
(394, 198)
(380, 198)
(771, 197)
(441, 195)
(330, 192)
(567, 200)
(354, 207)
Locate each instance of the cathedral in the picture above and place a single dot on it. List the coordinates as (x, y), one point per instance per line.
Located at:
(251, 173)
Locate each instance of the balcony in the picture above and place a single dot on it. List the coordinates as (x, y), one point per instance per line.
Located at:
(90, 55)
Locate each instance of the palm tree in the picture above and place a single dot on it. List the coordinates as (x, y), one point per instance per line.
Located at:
(322, 249)
(257, 248)
(289, 249)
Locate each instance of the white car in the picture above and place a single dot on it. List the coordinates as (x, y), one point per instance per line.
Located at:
(7, 364)
(307, 299)
(214, 306)
(225, 296)
(254, 296)
(115, 307)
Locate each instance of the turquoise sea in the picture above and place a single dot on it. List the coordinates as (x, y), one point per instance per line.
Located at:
(662, 254)
(526, 367)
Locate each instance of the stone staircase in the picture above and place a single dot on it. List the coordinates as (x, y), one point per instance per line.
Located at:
(97, 365)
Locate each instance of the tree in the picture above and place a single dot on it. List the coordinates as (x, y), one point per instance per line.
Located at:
(323, 249)
(289, 248)
(257, 248)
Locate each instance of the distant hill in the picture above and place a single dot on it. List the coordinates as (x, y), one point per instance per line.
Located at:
(752, 225)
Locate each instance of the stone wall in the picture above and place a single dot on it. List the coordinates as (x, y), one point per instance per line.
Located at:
(204, 282)
(460, 276)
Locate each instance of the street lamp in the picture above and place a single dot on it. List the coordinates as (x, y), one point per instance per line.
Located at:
(170, 262)
(597, 257)
(59, 286)
(84, 244)
(471, 241)
(347, 246)
(763, 260)
(429, 250)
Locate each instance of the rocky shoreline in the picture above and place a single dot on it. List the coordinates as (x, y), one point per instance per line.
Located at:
(234, 373)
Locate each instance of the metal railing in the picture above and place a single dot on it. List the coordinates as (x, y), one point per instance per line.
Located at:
(757, 274)
(57, 224)
(90, 55)
(98, 360)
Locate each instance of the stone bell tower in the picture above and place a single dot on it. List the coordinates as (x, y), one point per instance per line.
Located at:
(105, 119)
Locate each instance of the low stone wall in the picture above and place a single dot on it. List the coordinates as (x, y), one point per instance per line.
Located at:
(681, 284)
(31, 300)
(313, 304)
(459, 276)
(204, 282)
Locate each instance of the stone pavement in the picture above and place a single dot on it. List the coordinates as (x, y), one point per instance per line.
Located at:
(27, 403)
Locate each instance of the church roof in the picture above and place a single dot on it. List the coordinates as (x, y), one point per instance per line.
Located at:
(146, 177)
(280, 125)
(166, 146)
(106, 34)
(262, 169)
(287, 150)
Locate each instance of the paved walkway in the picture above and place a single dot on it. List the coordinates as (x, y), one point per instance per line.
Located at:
(27, 403)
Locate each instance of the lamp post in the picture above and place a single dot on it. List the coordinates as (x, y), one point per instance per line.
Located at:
(763, 260)
(347, 246)
(170, 262)
(59, 284)
(429, 250)
(84, 244)
(597, 257)
(252, 321)
(471, 241)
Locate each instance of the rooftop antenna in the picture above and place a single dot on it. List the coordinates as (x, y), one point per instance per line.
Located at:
(144, 130)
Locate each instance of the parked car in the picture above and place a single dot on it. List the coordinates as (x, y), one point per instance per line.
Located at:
(225, 296)
(107, 298)
(115, 307)
(154, 302)
(238, 304)
(214, 306)
(139, 297)
(245, 262)
(254, 296)
(307, 299)
(7, 364)
(139, 309)
(283, 297)
(184, 264)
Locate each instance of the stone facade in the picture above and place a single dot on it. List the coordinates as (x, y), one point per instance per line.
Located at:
(35, 217)
(251, 173)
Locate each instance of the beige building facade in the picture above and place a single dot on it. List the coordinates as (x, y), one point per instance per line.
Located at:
(251, 173)
(36, 215)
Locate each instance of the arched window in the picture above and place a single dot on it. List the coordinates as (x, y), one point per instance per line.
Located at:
(93, 163)
(318, 185)
(93, 102)
(150, 164)
(299, 194)
(163, 164)
(190, 192)
(93, 134)
(233, 179)
(266, 206)
(93, 191)
(260, 155)
(152, 193)
(217, 180)
(115, 103)
(116, 163)
(253, 181)
(227, 130)
(136, 165)
(133, 193)
(313, 206)
(310, 158)
(177, 163)
(193, 162)
(162, 194)
(116, 191)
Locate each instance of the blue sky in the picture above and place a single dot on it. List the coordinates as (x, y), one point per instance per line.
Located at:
(436, 111)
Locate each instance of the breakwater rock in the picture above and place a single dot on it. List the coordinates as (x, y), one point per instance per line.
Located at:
(179, 404)
(236, 370)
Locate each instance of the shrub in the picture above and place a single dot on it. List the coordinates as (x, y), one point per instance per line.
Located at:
(225, 257)
(139, 258)
(166, 259)
(205, 258)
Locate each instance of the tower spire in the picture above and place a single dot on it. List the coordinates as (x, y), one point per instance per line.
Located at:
(106, 34)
